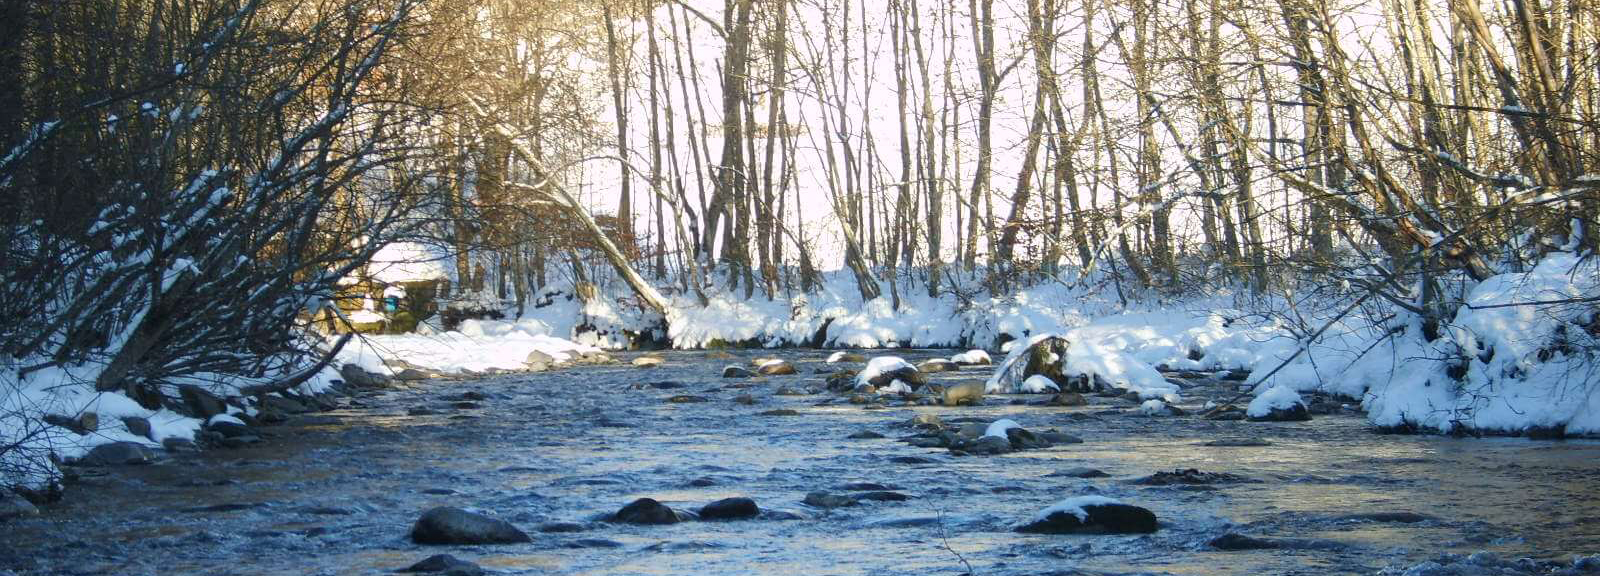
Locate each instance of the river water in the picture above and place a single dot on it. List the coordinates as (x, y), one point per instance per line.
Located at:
(336, 492)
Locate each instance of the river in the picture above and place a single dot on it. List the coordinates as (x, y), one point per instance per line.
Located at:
(336, 492)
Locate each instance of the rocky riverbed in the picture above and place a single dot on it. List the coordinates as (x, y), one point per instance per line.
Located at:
(875, 486)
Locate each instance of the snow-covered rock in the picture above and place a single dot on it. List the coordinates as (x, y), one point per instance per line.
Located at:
(1277, 404)
(843, 356)
(998, 427)
(1038, 384)
(883, 370)
(1090, 514)
(972, 358)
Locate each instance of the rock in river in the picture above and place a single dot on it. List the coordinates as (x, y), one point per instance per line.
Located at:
(1278, 404)
(116, 454)
(822, 499)
(736, 372)
(445, 565)
(776, 367)
(13, 506)
(1091, 515)
(730, 509)
(647, 511)
(447, 525)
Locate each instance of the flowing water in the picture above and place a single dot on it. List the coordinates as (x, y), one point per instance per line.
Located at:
(336, 492)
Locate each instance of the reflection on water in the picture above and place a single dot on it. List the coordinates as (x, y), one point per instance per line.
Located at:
(336, 493)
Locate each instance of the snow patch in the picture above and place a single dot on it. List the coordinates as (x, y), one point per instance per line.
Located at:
(1074, 506)
(999, 427)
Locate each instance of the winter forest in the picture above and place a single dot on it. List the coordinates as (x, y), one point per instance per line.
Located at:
(814, 286)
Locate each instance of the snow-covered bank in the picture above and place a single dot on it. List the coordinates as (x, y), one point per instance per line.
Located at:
(1518, 357)
(26, 439)
(475, 346)
(69, 392)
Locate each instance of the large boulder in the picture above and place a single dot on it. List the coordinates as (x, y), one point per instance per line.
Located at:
(1091, 515)
(937, 365)
(447, 525)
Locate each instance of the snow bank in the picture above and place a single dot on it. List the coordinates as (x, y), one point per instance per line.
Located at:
(478, 345)
(1518, 364)
(1520, 354)
(68, 392)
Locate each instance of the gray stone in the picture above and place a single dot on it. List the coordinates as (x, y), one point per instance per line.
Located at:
(864, 435)
(736, 372)
(447, 525)
(117, 454)
(200, 402)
